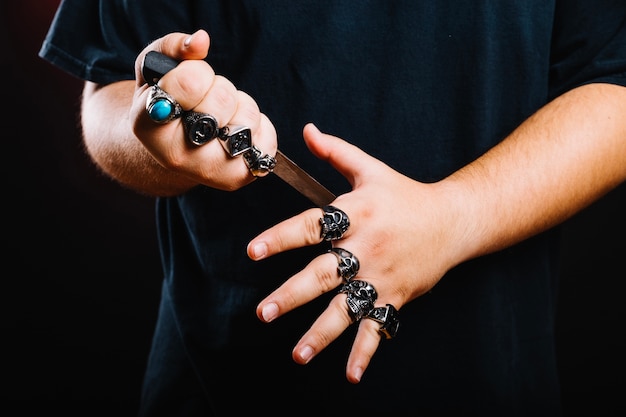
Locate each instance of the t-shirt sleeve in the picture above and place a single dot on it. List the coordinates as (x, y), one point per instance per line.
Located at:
(100, 40)
(589, 44)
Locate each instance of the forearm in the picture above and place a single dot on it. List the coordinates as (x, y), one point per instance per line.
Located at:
(559, 161)
(110, 142)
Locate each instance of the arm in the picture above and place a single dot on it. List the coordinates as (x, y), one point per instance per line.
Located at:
(111, 143)
(563, 158)
(560, 160)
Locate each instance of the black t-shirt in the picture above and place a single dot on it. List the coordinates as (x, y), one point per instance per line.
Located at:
(425, 86)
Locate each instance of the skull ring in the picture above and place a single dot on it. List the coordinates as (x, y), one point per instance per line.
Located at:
(347, 264)
(361, 297)
(334, 223)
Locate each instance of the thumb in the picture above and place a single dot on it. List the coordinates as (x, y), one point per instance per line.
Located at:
(350, 161)
(177, 45)
(182, 46)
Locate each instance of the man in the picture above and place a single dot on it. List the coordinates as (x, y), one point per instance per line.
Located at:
(459, 135)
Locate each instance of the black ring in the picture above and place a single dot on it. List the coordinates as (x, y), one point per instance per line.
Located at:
(361, 296)
(235, 139)
(388, 316)
(200, 127)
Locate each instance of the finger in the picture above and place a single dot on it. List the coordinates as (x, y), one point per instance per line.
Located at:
(306, 229)
(191, 84)
(350, 161)
(365, 345)
(266, 138)
(188, 84)
(328, 327)
(238, 109)
(317, 278)
(180, 46)
(220, 101)
(301, 230)
(247, 113)
(263, 131)
(200, 91)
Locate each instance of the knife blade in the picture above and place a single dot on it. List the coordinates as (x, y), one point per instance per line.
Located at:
(155, 65)
(302, 181)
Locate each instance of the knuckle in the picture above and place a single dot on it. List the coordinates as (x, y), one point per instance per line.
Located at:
(328, 278)
(197, 79)
(324, 336)
(312, 230)
(223, 93)
(338, 304)
(247, 107)
(173, 160)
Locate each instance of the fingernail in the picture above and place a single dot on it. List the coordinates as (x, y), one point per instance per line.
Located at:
(259, 250)
(269, 312)
(306, 353)
(188, 41)
(358, 373)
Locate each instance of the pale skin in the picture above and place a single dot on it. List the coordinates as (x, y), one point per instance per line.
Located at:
(406, 234)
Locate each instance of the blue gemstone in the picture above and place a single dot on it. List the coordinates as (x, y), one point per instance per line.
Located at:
(160, 110)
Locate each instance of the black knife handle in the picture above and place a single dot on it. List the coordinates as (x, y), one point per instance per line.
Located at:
(155, 65)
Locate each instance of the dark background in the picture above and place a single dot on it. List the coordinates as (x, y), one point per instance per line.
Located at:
(81, 279)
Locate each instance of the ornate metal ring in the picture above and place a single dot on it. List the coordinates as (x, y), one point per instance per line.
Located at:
(348, 264)
(259, 165)
(388, 318)
(162, 107)
(361, 297)
(199, 127)
(334, 223)
(235, 139)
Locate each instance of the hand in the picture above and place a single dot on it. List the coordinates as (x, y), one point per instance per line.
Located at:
(196, 87)
(396, 232)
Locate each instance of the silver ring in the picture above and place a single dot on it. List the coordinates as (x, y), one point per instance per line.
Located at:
(388, 318)
(235, 139)
(334, 223)
(348, 264)
(259, 165)
(161, 107)
(199, 127)
(361, 297)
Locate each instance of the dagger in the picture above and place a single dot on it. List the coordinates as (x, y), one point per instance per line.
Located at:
(155, 65)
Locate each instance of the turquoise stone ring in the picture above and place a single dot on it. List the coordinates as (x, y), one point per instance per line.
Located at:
(160, 110)
(161, 107)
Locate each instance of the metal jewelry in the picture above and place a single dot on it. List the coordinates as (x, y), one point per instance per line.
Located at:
(161, 107)
(361, 297)
(388, 318)
(348, 264)
(259, 165)
(235, 139)
(334, 223)
(199, 127)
